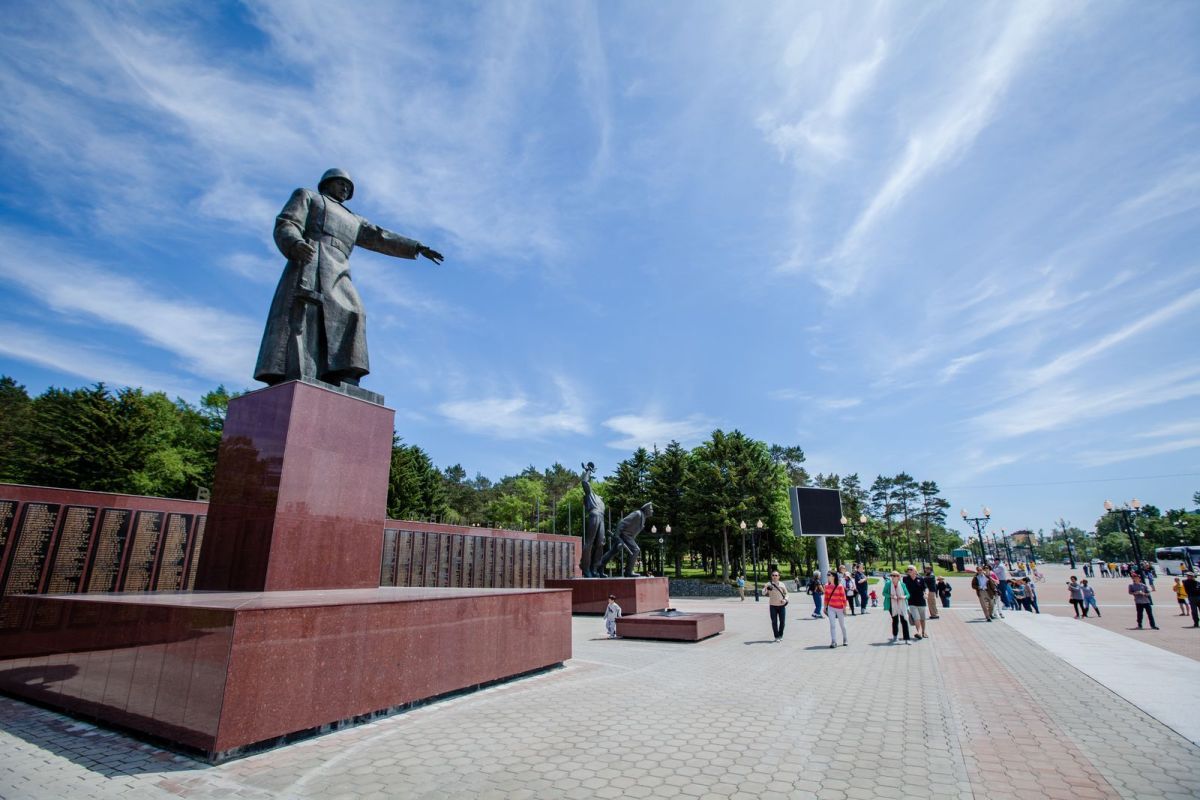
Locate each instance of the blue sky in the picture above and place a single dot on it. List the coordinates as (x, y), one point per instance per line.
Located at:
(956, 239)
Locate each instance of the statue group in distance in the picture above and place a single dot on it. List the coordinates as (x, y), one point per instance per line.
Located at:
(594, 557)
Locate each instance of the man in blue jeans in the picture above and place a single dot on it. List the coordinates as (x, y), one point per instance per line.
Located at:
(817, 591)
(861, 583)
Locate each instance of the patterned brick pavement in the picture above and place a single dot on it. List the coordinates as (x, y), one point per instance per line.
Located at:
(976, 711)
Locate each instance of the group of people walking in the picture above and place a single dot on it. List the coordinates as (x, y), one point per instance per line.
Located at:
(911, 599)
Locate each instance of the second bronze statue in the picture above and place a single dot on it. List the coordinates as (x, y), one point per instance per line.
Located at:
(317, 327)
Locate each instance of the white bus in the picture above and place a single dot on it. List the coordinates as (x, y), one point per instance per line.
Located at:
(1177, 560)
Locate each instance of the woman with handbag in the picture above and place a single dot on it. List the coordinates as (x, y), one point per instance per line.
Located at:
(835, 607)
(895, 602)
(777, 596)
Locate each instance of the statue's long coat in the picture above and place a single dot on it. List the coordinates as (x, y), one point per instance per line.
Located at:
(334, 230)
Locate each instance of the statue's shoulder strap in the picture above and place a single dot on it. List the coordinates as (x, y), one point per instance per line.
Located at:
(316, 217)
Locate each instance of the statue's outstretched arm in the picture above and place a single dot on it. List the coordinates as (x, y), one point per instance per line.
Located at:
(381, 240)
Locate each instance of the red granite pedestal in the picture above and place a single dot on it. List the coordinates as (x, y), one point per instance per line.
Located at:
(220, 673)
(634, 595)
(677, 626)
(300, 493)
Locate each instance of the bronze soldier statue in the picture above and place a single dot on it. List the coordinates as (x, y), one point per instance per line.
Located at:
(593, 530)
(627, 530)
(317, 325)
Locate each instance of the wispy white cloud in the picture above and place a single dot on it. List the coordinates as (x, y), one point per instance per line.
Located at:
(1078, 357)
(516, 416)
(1065, 404)
(648, 430)
(821, 135)
(206, 340)
(810, 400)
(91, 363)
(439, 135)
(941, 138)
(1098, 458)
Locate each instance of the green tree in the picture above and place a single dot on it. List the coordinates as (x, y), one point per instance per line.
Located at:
(668, 485)
(415, 487)
(15, 409)
(735, 480)
(791, 458)
(933, 514)
(516, 506)
(904, 495)
(629, 486)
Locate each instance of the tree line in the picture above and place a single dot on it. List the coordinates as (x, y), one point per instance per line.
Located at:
(131, 441)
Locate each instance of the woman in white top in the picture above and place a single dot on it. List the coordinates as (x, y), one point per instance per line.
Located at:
(777, 595)
(895, 602)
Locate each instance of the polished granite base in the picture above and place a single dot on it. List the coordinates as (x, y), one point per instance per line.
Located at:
(221, 672)
(299, 493)
(634, 595)
(673, 626)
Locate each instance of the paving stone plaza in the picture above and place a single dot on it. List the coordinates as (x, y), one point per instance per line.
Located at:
(978, 710)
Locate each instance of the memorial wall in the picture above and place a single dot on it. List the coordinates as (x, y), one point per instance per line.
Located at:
(430, 554)
(64, 541)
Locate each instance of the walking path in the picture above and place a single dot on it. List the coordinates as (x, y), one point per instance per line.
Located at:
(977, 711)
(1118, 615)
(1156, 681)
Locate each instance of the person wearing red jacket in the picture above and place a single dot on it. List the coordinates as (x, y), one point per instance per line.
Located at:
(835, 608)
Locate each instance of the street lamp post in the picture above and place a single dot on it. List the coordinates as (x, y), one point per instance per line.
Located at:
(758, 526)
(654, 535)
(980, 523)
(1007, 549)
(862, 523)
(667, 530)
(742, 526)
(1071, 552)
(1126, 516)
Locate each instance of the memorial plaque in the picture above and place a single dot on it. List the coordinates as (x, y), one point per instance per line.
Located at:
(112, 535)
(443, 569)
(468, 561)
(456, 560)
(387, 567)
(30, 548)
(431, 560)
(477, 554)
(8, 510)
(71, 550)
(539, 562)
(517, 564)
(173, 553)
(404, 559)
(511, 554)
(418, 559)
(143, 549)
(194, 558)
(489, 562)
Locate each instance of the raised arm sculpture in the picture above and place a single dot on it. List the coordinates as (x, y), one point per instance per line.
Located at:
(317, 325)
(593, 526)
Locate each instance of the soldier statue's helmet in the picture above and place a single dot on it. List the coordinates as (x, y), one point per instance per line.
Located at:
(330, 174)
(648, 509)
